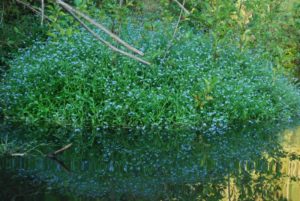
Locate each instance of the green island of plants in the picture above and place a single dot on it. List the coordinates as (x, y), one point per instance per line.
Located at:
(75, 81)
(205, 119)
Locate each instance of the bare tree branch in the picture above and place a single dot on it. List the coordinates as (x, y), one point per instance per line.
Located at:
(2, 14)
(59, 151)
(182, 7)
(42, 11)
(121, 3)
(104, 41)
(174, 33)
(98, 25)
(35, 10)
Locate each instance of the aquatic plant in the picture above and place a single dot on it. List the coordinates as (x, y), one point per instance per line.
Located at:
(75, 81)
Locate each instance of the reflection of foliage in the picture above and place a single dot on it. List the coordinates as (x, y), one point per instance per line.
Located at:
(10, 146)
(15, 187)
(162, 165)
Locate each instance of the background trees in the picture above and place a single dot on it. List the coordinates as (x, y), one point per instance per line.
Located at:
(272, 25)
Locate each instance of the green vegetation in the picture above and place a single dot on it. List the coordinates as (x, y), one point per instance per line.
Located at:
(12, 141)
(77, 82)
(6, 147)
(194, 124)
(12, 147)
(18, 29)
(223, 67)
(269, 24)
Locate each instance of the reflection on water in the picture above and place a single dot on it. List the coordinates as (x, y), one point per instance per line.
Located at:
(249, 164)
(291, 144)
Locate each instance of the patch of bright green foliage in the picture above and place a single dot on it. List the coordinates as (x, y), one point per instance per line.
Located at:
(269, 24)
(77, 82)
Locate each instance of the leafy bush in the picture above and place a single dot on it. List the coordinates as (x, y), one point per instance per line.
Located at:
(77, 82)
(269, 24)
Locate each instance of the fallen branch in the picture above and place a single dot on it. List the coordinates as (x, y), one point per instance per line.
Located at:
(29, 150)
(105, 42)
(18, 154)
(182, 7)
(98, 25)
(35, 10)
(53, 155)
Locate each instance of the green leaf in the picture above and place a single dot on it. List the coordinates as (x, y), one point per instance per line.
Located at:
(77, 2)
(17, 30)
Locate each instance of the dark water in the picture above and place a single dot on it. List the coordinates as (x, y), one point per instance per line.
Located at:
(256, 163)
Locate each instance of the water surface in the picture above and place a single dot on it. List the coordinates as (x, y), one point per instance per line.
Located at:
(257, 163)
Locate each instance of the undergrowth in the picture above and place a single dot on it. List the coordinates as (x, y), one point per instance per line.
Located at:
(18, 33)
(77, 82)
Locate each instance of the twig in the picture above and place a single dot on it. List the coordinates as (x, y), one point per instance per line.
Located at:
(119, 21)
(42, 11)
(29, 150)
(174, 33)
(2, 15)
(182, 7)
(51, 155)
(105, 42)
(35, 10)
(98, 25)
(18, 154)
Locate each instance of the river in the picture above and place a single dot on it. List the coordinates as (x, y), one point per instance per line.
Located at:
(256, 163)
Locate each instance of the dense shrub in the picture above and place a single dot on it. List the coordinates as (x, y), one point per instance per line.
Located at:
(269, 24)
(77, 82)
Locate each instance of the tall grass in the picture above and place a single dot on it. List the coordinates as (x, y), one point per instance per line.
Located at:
(77, 82)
